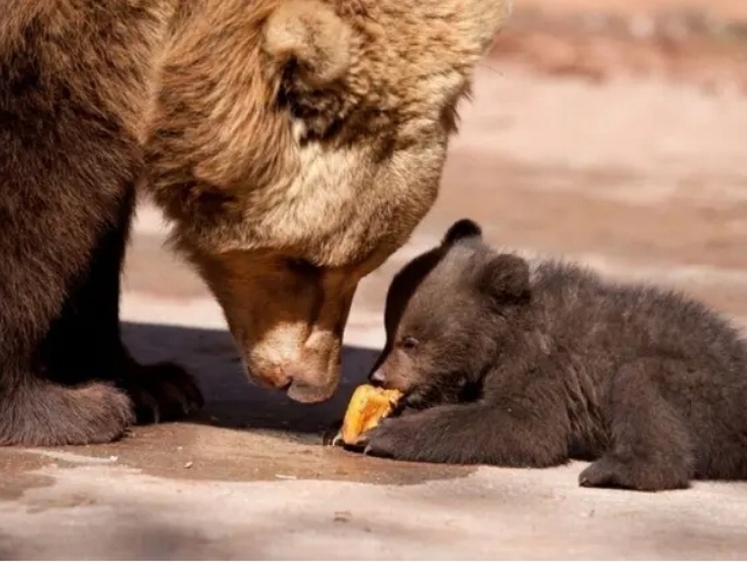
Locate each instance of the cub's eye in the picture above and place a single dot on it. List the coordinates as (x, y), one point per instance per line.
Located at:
(408, 343)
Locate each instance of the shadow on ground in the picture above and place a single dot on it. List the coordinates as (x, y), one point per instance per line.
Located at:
(231, 400)
(141, 530)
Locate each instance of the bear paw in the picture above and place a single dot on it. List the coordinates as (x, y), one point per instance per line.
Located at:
(633, 474)
(394, 438)
(162, 392)
(45, 414)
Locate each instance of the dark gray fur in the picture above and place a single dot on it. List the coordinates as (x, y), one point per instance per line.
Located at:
(528, 365)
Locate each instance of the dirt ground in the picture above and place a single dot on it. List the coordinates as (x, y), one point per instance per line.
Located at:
(614, 133)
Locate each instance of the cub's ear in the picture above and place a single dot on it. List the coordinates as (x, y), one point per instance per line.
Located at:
(306, 39)
(463, 229)
(505, 277)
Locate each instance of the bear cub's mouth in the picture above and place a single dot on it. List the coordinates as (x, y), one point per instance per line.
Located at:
(424, 397)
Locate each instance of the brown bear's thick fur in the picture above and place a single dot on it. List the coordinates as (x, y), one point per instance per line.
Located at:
(294, 144)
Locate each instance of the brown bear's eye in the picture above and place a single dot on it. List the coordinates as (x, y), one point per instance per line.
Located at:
(408, 343)
(302, 266)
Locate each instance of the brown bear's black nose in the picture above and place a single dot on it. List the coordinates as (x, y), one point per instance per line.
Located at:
(377, 377)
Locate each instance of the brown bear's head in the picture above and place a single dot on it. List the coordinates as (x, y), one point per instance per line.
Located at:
(450, 314)
(296, 144)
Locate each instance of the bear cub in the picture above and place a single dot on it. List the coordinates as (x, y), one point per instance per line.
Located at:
(513, 363)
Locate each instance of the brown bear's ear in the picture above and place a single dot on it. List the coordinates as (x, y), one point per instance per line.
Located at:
(463, 229)
(506, 278)
(307, 39)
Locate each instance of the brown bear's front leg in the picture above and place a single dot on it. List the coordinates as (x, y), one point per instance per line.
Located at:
(55, 309)
(474, 433)
(69, 161)
(84, 342)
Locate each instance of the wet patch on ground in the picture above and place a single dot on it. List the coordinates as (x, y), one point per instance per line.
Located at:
(197, 452)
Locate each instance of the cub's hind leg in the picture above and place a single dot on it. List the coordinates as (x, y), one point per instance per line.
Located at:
(650, 445)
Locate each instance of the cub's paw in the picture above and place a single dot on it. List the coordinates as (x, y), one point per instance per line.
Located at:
(634, 474)
(393, 438)
(162, 392)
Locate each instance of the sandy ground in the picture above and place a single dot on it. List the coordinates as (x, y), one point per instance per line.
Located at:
(639, 175)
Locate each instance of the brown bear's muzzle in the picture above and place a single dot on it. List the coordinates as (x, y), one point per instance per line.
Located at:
(286, 320)
(302, 360)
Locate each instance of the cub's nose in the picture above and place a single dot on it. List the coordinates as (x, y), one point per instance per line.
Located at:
(377, 377)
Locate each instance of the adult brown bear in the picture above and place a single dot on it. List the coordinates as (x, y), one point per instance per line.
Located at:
(293, 143)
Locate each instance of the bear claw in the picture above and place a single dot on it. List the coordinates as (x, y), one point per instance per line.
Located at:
(163, 392)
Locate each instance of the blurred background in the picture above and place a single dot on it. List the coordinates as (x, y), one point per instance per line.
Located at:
(613, 132)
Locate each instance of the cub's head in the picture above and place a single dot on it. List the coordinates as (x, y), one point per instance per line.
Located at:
(296, 144)
(448, 314)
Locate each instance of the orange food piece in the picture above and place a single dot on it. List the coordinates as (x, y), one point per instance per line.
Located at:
(368, 405)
